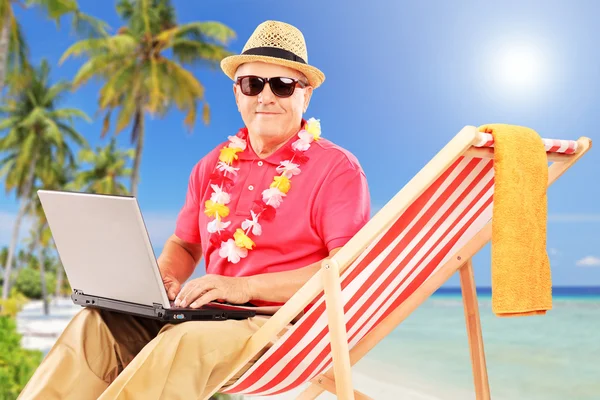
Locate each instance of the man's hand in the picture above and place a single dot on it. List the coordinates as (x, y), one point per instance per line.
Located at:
(176, 263)
(172, 285)
(203, 290)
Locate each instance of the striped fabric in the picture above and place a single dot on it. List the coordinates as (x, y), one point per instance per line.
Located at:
(439, 223)
(552, 145)
(442, 220)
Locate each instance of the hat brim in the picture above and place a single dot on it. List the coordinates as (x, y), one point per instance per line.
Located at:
(230, 64)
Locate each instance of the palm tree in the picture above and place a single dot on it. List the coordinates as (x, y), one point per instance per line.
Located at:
(142, 67)
(37, 134)
(107, 169)
(13, 49)
(52, 177)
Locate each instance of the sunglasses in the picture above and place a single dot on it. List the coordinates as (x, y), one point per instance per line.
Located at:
(280, 86)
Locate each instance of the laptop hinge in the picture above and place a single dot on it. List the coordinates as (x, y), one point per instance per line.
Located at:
(159, 311)
(77, 291)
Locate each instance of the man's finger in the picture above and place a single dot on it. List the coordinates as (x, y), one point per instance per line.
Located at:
(183, 292)
(192, 294)
(206, 298)
(173, 289)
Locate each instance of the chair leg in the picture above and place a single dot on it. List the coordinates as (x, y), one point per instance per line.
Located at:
(469, 292)
(337, 330)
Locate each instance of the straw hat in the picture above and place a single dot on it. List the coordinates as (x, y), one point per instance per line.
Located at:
(276, 43)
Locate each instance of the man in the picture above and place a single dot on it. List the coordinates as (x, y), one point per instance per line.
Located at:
(264, 209)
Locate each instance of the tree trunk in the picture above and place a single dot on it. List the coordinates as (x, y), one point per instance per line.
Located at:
(60, 273)
(43, 276)
(138, 133)
(25, 198)
(12, 248)
(4, 36)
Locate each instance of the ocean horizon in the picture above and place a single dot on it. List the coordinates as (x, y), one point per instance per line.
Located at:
(558, 291)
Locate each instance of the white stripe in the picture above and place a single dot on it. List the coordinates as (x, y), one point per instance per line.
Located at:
(358, 281)
(367, 272)
(410, 267)
(484, 138)
(563, 146)
(418, 270)
(354, 287)
(304, 341)
(424, 231)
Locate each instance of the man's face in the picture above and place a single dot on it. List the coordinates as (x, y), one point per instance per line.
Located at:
(266, 114)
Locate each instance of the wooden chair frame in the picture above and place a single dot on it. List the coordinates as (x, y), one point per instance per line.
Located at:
(337, 379)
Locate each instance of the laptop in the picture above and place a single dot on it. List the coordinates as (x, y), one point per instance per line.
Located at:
(108, 258)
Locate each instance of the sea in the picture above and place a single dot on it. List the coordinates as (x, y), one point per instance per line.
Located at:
(555, 356)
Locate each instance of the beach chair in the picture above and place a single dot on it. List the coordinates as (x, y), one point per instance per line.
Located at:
(416, 242)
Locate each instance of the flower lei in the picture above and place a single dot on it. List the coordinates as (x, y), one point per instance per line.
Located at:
(235, 246)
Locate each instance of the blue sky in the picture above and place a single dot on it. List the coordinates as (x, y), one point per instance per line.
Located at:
(402, 79)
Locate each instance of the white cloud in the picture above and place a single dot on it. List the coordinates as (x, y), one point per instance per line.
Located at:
(574, 218)
(553, 252)
(589, 261)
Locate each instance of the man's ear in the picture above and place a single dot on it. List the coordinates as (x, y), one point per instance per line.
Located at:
(307, 95)
(235, 95)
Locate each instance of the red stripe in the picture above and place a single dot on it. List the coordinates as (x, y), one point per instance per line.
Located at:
(419, 227)
(388, 237)
(326, 352)
(402, 222)
(409, 237)
(434, 263)
(398, 249)
(571, 148)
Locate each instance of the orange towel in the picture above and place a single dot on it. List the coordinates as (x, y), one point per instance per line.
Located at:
(521, 279)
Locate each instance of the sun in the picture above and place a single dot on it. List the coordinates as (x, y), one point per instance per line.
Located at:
(520, 67)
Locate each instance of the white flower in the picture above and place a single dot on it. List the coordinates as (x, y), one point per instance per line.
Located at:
(216, 225)
(256, 228)
(236, 141)
(221, 166)
(288, 168)
(300, 145)
(219, 196)
(304, 141)
(273, 197)
(233, 253)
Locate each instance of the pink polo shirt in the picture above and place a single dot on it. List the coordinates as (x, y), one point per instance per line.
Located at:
(328, 202)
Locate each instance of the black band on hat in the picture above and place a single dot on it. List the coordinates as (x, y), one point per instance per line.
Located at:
(274, 52)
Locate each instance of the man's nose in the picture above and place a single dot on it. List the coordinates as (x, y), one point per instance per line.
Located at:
(266, 96)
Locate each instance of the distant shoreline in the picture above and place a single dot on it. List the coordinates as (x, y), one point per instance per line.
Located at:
(557, 291)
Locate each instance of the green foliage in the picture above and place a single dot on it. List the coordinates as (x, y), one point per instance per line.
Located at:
(142, 65)
(13, 304)
(28, 282)
(107, 170)
(16, 364)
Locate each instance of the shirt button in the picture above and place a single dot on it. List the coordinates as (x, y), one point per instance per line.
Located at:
(260, 163)
(250, 187)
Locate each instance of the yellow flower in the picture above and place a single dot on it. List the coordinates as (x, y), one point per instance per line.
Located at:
(213, 209)
(313, 126)
(241, 240)
(228, 154)
(282, 183)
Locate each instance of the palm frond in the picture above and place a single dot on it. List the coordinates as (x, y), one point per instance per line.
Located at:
(118, 45)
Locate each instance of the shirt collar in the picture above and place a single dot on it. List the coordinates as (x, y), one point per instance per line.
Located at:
(285, 152)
